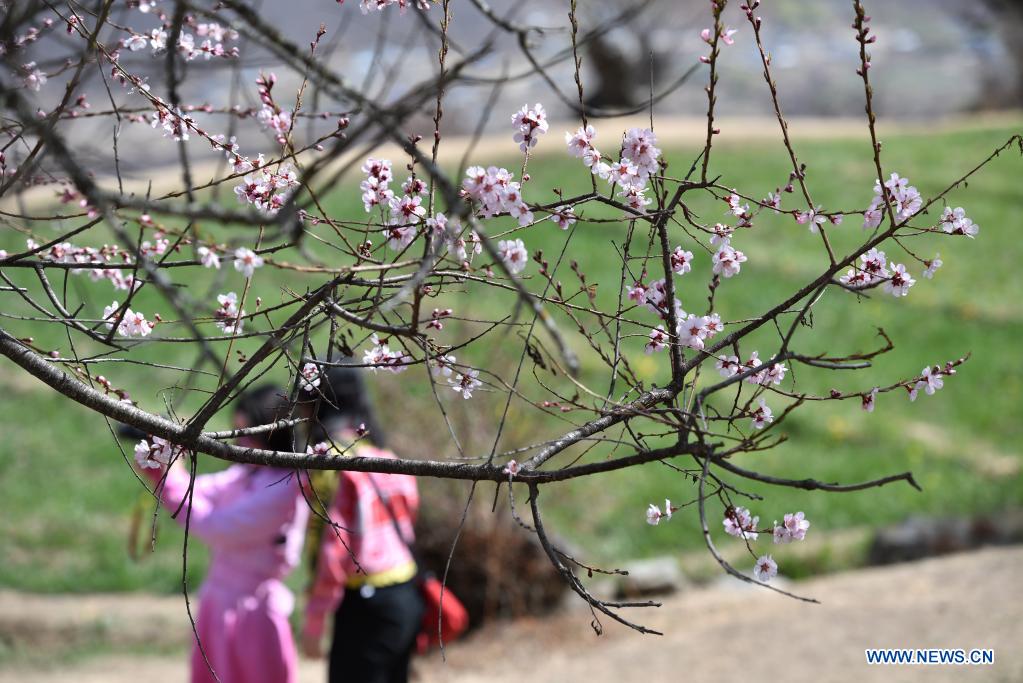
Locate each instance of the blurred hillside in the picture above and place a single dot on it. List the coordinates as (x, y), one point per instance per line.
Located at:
(933, 58)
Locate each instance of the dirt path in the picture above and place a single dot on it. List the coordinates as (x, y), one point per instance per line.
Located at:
(727, 632)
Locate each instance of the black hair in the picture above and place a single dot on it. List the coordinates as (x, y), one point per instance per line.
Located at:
(264, 405)
(344, 403)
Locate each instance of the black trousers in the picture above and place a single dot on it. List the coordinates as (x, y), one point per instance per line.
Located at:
(374, 636)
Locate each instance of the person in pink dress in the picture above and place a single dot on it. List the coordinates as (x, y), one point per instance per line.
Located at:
(253, 519)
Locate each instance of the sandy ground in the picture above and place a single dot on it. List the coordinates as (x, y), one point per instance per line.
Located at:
(671, 132)
(725, 632)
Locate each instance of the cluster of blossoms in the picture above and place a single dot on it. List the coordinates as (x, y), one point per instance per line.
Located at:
(638, 161)
(729, 366)
(155, 40)
(496, 193)
(271, 116)
(279, 121)
(208, 41)
(406, 212)
(381, 357)
(514, 254)
(33, 78)
(155, 452)
(905, 200)
(740, 522)
(65, 252)
(228, 316)
(692, 330)
(174, 122)
(464, 382)
(367, 6)
(375, 188)
(132, 324)
(158, 247)
(727, 260)
(739, 209)
(267, 190)
(529, 125)
(792, 528)
(956, 222)
(873, 269)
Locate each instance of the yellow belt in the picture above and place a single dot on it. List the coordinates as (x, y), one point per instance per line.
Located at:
(390, 577)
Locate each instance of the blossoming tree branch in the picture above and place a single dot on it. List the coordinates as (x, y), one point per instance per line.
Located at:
(382, 287)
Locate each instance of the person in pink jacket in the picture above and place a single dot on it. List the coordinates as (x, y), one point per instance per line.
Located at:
(253, 519)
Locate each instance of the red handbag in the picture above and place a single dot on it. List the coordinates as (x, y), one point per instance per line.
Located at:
(444, 616)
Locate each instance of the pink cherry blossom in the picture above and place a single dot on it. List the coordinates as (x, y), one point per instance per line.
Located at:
(563, 217)
(900, 281)
(793, 528)
(956, 222)
(529, 125)
(380, 357)
(208, 257)
(762, 416)
(406, 210)
(133, 324)
(229, 318)
(692, 331)
(812, 218)
(727, 261)
(155, 452)
(681, 261)
(930, 381)
(581, 142)
(765, 569)
(466, 382)
(514, 254)
(728, 365)
(654, 514)
(246, 261)
(34, 78)
(309, 377)
(320, 448)
(740, 523)
(869, 400)
(722, 234)
(658, 340)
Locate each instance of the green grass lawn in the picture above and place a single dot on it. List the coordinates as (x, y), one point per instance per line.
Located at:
(66, 492)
